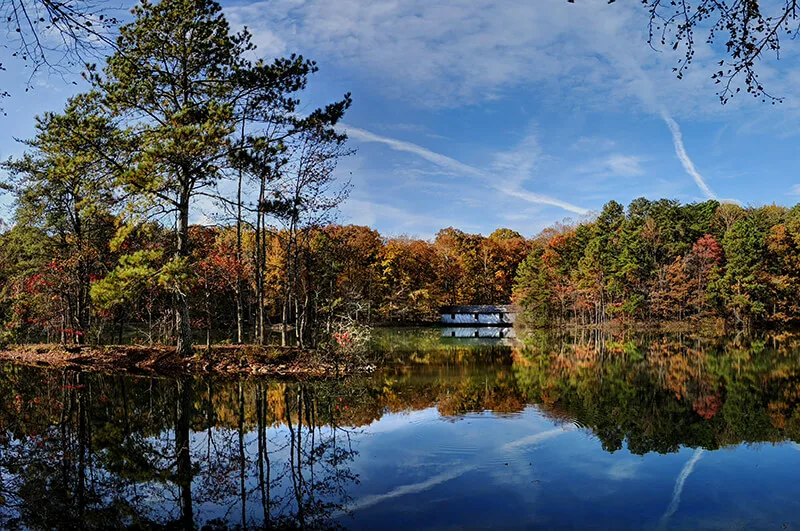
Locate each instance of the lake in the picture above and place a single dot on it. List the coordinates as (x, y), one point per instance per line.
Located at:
(535, 430)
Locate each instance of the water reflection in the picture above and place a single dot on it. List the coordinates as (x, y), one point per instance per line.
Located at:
(663, 392)
(118, 451)
(479, 336)
(115, 451)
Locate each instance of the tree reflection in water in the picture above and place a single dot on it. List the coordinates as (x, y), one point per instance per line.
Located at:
(117, 451)
(658, 393)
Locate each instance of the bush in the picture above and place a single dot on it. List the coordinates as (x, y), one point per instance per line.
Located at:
(349, 341)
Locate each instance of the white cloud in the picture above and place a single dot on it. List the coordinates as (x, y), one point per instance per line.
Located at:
(686, 471)
(518, 164)
(680, 151)
(624, 165)
(412, 128)
(612, 165)
(448, 54)
(795, 190)
(509, 170)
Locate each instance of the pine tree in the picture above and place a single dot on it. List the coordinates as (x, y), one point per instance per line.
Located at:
(64, 185)
(182, 82)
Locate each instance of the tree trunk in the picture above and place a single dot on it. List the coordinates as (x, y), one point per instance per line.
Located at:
(182, 324)
(239, 280)
(81, 324)
(208, 332)
(260, 258)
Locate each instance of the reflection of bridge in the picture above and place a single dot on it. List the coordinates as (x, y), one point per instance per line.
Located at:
(480, 335)
(480, 332)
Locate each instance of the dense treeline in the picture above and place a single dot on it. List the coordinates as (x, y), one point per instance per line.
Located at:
(661, 261)
(352, 272)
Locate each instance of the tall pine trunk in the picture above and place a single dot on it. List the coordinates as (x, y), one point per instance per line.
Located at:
(239, 280)
(261, 242)
(182, 324)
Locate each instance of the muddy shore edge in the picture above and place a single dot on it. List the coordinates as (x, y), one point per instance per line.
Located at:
(162, 360)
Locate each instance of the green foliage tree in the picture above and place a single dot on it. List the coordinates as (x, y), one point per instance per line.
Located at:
(182, 82)
(171, 78)
(663, 260)
(64, 185)
(745, 248)
(532, 288)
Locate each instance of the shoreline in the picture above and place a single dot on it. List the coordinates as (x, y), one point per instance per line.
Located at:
(710, 326)
(251, 360)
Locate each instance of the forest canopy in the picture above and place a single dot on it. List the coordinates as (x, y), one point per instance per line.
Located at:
(344, 271)
(662, 261)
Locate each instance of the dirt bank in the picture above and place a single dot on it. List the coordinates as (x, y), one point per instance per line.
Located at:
(162, 360)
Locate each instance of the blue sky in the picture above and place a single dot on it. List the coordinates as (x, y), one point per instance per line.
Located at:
(482, 114)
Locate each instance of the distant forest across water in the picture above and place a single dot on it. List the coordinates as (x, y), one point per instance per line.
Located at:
(320, 273)
(662, 261)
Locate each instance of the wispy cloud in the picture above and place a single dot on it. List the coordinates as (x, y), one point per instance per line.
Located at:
(536, 438)
(624, 165)
(686, 161)
(447, 54)
(686, 471)
(593, 144)
(507, 175)
(413, 488)
(413, 128)
(613, 165)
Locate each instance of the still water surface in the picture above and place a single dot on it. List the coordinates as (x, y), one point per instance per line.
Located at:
(581, 431)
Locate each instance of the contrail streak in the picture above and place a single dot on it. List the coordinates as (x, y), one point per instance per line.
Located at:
(408, 147)
(412, 488)
(536, 438)
(449, 163)
(688, 468)
(686, 161)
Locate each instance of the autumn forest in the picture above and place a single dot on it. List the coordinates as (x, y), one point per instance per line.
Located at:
(662, 261)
